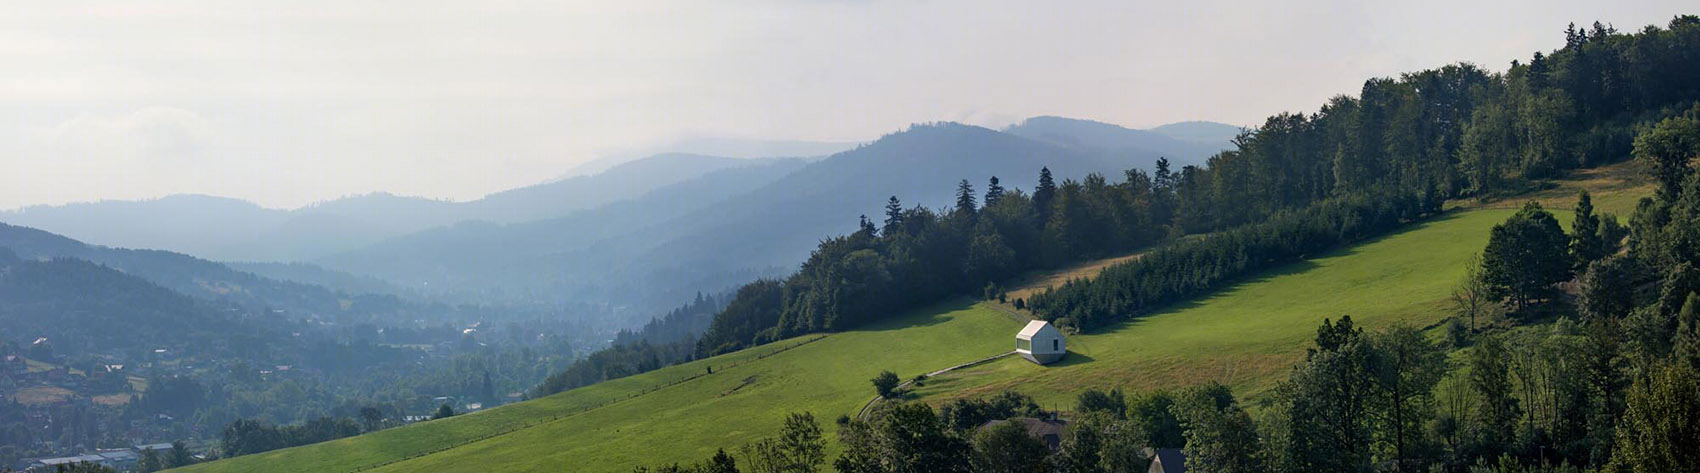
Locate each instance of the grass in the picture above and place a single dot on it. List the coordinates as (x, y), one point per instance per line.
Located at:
(1247, 336)
(677, 421)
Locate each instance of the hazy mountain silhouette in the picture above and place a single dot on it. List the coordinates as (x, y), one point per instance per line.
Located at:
(716, 146)
(645, 234)
(230, 229)
(1200, 132)
(719, 235)
(209, 280)
(1117, 141)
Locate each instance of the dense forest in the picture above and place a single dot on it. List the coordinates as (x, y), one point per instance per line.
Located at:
(1298, 184)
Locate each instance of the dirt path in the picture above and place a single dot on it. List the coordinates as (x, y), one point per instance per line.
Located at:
(862, 414)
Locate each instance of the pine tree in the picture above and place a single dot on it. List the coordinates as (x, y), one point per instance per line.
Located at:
(1585, 243)
(1043, 194)
(893, 216)
(993, 192)
(965, 203)
(1163, 178)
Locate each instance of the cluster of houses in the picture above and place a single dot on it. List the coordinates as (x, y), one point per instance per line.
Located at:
(116, 458)
(15, 371)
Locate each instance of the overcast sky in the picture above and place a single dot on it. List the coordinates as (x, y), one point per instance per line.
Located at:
(293, 102)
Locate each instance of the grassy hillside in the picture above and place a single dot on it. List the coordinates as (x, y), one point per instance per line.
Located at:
(603, 428)
(1247, 336)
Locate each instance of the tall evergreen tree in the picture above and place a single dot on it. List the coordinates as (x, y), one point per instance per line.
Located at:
(965, 198)
(1585, 243)
(893, 216)
(994, 192)
(1163, 178)
(1044, 193)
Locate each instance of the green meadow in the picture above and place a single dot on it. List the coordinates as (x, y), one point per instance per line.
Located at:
(1247, 336)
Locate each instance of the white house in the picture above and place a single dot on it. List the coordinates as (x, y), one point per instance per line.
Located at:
(1040, 342)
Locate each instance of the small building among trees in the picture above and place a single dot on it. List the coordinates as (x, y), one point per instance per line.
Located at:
(1040, 342)
(1168, 460)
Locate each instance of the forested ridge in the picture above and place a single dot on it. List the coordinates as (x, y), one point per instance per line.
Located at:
(1298, 184)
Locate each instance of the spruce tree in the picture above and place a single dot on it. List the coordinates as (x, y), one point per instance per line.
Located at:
(965, 198)
(1163, 178)
(1585, 243)
(993, 192)
(1043, 194)
(893, 216)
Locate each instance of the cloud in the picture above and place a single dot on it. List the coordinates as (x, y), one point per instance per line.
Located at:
(288, 102)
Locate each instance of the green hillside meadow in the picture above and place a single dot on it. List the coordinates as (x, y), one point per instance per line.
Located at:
(1247, 336)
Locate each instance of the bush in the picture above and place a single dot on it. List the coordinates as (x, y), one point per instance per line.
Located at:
(886, 384)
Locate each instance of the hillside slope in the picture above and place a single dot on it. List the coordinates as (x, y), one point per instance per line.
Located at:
(1247, 336)
(212, 281)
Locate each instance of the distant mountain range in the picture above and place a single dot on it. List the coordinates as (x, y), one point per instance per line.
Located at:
(229, 229)
(1172, 141)
(212, 281)
(1208, 133)
(728, 227)
(645, 235)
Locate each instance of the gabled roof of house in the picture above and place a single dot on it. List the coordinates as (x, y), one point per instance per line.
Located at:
(1033, 328)
(1173, 460)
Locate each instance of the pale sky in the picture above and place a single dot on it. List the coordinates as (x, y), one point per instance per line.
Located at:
(292, 102)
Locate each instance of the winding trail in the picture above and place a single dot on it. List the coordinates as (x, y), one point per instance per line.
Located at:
(862, 414)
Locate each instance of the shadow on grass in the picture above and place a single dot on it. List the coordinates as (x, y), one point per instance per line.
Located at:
(933, 314)
(1072, 359)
